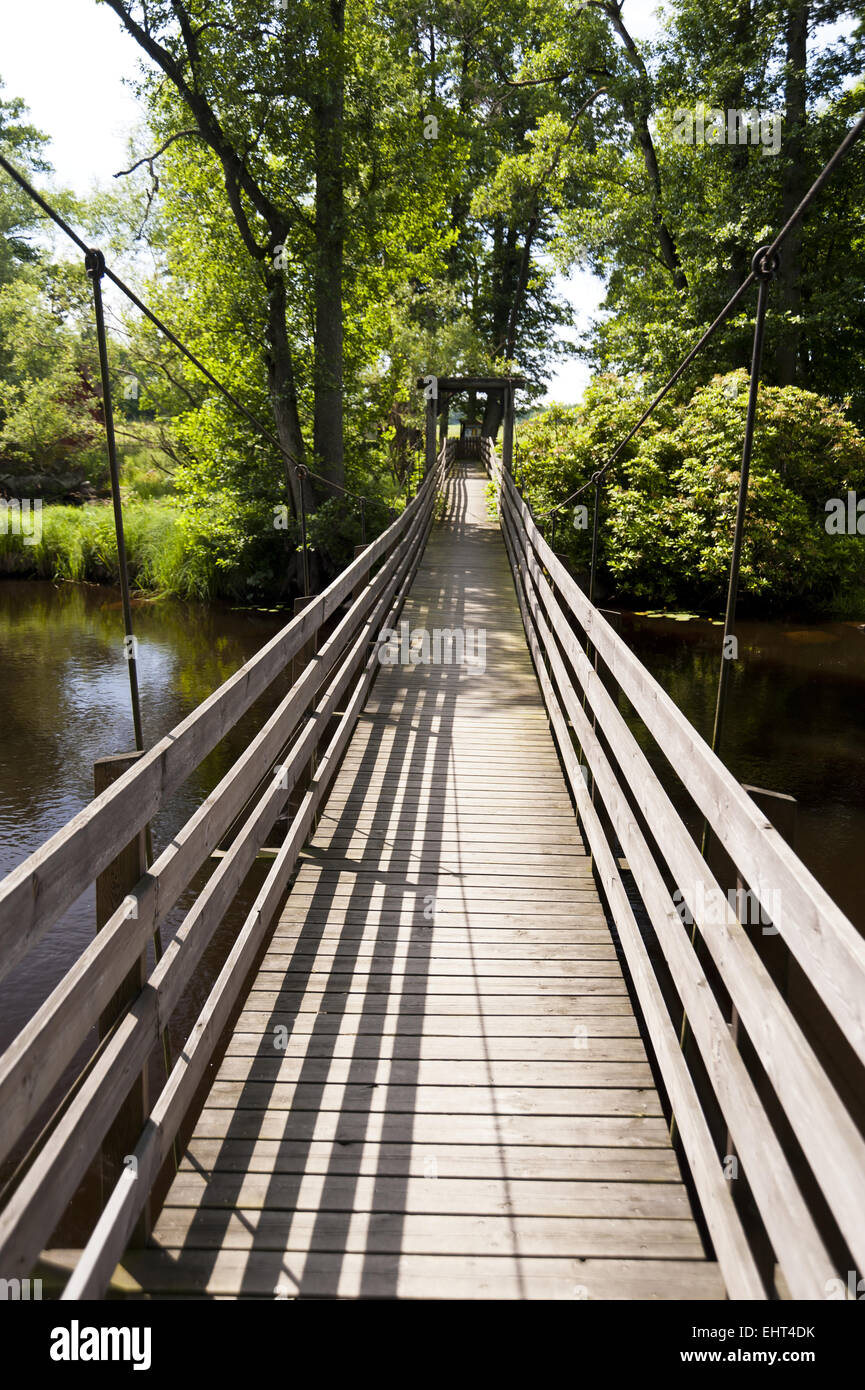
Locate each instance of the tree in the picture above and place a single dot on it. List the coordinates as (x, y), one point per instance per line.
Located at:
(673, 224)
(267, 95)
(49, 408)
(222, 65)
(51, 433)
(23, 145)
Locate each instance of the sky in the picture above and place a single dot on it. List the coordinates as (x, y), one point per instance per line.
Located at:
(70, 62)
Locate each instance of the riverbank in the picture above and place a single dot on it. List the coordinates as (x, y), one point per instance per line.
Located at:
(168, 557)
(79, 544)
(229, 551)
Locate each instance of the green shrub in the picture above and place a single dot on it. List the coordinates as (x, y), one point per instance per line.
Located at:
(669, 502)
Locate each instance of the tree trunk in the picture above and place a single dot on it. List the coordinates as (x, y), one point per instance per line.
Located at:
(504, 275)
(283, 391)
(328, 108)
(639, 111)
(733, 98)
(795, 185)
(494, 413)
(522, 284)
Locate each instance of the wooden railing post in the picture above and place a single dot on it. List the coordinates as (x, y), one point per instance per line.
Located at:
(444, 409)
(363, 581)
(298, 666)
(302, 657)
(430, 452)
(781, 810)
(113, 885)
(508, 433)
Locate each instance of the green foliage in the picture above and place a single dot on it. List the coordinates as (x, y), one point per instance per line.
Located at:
(50, 423)
(232, 554)
(669, 502)
(79, 543)
(22, 144)
(474, 151)
(143, 475)
(50, 412)
(672, 226)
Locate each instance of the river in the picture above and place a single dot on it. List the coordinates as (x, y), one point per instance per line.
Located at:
(796, 724)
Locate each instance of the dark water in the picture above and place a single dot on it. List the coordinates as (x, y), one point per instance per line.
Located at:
(64, 702)
(795, 723)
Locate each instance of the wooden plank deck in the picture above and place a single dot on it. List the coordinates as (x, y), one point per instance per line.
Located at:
(437, 1086)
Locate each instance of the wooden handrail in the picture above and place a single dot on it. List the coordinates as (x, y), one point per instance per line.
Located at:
(825, 942)
(69, 1011)
(39, 890)
(34, 1062)
(829, 1138)
(109, 1238)
(786, 1215)
(725, 1227)
(554, 609)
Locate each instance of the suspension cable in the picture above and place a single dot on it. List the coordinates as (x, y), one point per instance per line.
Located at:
(55, 216)
(768, 257)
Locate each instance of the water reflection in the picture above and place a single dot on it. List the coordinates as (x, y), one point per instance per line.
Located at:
(795, 723)
(64, 702)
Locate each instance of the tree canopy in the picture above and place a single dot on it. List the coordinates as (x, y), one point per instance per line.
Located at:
(340, 197)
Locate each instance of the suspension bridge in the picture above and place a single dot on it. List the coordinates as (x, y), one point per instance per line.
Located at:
(439, 1059)
(464, 1043)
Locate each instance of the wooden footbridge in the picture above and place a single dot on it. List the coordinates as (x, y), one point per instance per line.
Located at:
(464, 1044)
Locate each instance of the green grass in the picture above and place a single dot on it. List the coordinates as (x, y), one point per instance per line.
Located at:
(78, 544)
(141, 481)
(144, 467)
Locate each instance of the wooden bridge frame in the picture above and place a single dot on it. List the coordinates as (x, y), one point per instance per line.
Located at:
(34, 896)
(569, 640)
(582, 667)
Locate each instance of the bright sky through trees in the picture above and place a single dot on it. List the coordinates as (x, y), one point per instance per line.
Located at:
(67, 59)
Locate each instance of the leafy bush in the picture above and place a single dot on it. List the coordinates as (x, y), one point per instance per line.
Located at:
(669, 502)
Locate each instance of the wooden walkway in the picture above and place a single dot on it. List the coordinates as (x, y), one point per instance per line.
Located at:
(437, 1086)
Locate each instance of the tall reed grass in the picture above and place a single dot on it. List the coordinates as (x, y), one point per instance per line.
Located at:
(78, 544)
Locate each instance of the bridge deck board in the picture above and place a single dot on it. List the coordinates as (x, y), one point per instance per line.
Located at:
(461, 1105)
